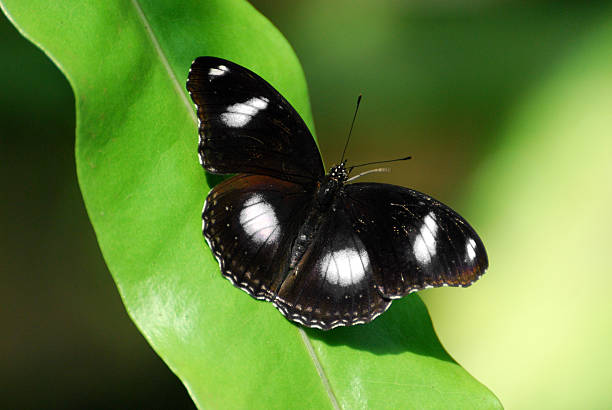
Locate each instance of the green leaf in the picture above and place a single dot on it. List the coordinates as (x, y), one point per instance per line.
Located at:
(144, 190)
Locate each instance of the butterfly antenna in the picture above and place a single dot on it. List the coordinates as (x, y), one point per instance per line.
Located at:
(351, 130)
(370, 171)
(379, 162)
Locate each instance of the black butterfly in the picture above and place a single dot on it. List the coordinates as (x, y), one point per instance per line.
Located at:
(326, 253)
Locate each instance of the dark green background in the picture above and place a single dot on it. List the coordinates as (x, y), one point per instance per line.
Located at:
(439, 82)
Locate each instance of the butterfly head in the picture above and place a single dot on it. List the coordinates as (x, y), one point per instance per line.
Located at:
(339, 172)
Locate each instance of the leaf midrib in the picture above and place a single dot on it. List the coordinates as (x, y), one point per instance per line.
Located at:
(164, 60)
(177, 87)
(319, 368)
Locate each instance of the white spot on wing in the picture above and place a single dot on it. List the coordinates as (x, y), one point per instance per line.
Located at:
(345, 267)
(218, 71)
(470, 248)
(258, 220)
(239, 114)
(425, 244)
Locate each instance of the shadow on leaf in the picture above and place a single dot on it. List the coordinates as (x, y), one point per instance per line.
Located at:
(214, 179)
(406, 326)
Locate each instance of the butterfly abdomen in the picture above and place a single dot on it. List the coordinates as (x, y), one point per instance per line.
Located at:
(325, 197)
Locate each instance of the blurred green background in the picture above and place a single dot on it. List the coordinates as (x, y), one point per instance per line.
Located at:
(506, 108)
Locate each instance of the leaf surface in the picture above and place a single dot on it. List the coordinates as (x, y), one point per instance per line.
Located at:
(144, 189)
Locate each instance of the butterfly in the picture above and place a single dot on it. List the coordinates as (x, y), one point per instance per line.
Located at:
(324, 251)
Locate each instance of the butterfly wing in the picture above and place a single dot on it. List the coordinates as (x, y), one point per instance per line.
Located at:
(250, 222)
(413, 240)
(246, 126)
(334, 283)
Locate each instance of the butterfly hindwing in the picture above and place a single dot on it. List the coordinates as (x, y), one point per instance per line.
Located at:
(250, 222)
(334, 284)
(413, 240)
(246, 126)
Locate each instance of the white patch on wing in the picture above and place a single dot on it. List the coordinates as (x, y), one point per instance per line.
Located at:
(239, 114)
(218, 71)
(345, 267)
(425, 244)
(470, 248)
(258, 220)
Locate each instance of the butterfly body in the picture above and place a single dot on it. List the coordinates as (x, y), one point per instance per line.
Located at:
(325, 198)
(325, 251)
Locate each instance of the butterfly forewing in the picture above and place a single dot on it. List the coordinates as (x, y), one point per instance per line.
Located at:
(413, 240)
(250, 222)
(246, 126)
(334, 284)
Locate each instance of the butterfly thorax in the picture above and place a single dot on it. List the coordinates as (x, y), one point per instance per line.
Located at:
(325, 197)
(328, 189)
